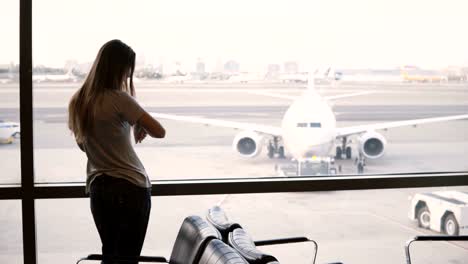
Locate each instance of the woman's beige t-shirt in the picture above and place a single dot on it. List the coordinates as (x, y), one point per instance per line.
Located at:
(109, 147)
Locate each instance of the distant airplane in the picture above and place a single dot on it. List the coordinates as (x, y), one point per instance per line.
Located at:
(67, 77)
(245, 77)
(413, 74)
(309, 129)
(320, 75)
(8, 131)
(177, 78)
(293, 77)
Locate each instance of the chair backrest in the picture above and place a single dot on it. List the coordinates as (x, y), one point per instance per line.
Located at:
(243, 243)
(217, 252)
(220, 221)
(193, 236)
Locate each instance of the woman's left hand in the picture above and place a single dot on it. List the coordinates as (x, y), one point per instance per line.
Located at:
(139, 133)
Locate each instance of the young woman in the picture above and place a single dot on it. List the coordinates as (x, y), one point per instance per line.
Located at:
(101, 115)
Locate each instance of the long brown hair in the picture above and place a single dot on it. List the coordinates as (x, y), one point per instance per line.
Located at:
(114, 63)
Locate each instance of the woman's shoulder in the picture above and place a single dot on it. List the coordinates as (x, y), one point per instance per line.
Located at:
(115, 94)
(119, 93)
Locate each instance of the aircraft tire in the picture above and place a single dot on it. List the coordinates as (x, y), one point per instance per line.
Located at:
(281, 152)
(339, 152)
(424, 217)
(349, 152)
(451, 226)
(271, 152)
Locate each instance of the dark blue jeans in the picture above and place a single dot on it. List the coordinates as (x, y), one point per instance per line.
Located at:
(121, 212)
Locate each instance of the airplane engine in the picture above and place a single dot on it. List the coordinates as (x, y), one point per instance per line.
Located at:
(248, 144)
(372, 144)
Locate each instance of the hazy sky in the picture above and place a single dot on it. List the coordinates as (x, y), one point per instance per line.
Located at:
(343, 33)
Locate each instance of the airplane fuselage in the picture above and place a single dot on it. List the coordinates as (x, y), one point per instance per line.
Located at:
(309, 127)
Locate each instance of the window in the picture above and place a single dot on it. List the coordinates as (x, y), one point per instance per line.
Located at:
(223, 81)
(9, 99)
(416, 95)
(11, 248)
(347, 227)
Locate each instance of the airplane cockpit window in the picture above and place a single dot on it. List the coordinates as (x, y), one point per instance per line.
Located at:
(315, 125)
(301, 124)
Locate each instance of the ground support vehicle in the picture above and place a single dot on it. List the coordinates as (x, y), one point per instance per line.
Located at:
(442, 211)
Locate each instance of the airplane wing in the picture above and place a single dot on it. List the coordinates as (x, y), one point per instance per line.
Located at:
(347, 131)
(270, 130)
(288, 97)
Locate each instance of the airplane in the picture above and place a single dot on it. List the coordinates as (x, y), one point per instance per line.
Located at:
(414, 74)
(320, 76)
(293, 78)
(69, 76)
(8, 131)
(177, 78)
(245, 77)
(309, 129)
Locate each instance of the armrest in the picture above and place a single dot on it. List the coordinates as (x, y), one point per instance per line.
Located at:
(288, 240)
(124, 259)
(430, 238)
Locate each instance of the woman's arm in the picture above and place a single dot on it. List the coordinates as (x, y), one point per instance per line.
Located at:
(151, 126)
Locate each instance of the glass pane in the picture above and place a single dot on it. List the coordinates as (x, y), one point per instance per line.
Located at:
(429, 252)
(242, 66)
(349, 226)
(9, 94)
(11, 238)
(64, 236)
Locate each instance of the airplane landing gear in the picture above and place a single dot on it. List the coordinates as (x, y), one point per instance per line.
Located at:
(343, 149)
(275, 148)
(339, 153)
(360, 163)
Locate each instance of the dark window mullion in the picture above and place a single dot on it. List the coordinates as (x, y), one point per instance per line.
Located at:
(26, 120)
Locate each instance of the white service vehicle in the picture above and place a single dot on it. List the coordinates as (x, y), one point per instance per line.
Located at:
(8, 132)
(443, 211)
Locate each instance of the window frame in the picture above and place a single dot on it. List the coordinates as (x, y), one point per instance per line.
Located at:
(28, 191)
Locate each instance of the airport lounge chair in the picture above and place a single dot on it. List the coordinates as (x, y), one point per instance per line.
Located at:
(241, 241)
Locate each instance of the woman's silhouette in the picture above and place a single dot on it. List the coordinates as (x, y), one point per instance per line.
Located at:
(101, 115)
